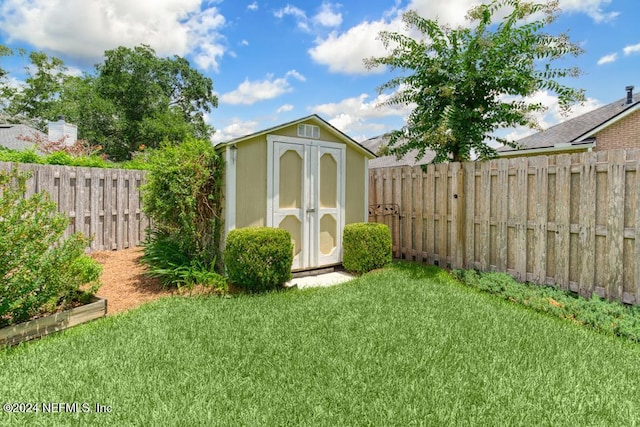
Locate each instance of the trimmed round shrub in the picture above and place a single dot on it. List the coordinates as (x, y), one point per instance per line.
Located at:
(366, 246)
(258, 258)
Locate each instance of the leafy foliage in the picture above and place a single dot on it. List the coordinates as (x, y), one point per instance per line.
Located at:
(258, 258)
(155, 98)
(609, 317)
(183, 197)
(173, 267)
(134, 99)
(62, 158)
(468, 82)
(366, 246)
(40, 271)
(40, 95)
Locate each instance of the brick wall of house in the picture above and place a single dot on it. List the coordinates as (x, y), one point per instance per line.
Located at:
(624, 133)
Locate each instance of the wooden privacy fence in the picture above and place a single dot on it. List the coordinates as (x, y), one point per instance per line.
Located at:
(103, 203)
(569, 220)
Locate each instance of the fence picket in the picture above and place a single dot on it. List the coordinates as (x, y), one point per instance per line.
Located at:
(418, 228)
(539, 260)
(502, 214)
(563, 220)
(615, 224)
(587, 224)
(88, 198)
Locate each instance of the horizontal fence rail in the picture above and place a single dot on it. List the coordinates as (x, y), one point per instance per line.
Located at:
(103, 203)
(571, 220)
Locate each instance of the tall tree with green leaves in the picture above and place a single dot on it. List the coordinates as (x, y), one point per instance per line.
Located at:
(37, 100)
(134, 99)
(6, 90)
(155, 99)
(468, 82)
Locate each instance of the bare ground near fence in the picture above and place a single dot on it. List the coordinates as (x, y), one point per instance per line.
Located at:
(567, 220)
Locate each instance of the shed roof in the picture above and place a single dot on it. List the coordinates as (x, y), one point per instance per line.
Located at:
(577, 131)
(313, 118)
(10, 136)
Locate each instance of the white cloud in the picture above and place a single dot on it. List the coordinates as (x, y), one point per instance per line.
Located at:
(250, 92)
(628, 50)
(359, 114)
(296, 75)
(451, 12)
(86, 29)
(244, 43)
(608, 59)
(236, 129)
(253, 6)
(204, 39)
(345, 52)
(297, 13)
(328, 17)
(285, 108)
(593, 8)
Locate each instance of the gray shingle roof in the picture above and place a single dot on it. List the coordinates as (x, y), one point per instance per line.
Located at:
(10, 133)
(574, 130)
(409, 159)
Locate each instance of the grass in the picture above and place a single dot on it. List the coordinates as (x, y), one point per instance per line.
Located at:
(406, 346)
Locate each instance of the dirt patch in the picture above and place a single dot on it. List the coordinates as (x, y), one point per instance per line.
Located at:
(124, 283)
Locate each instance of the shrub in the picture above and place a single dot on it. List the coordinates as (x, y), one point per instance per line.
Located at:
(606, 316)
(258, 258)
(182, 198)
(172, 266)
(366, 246)
(26, 156)
(40, 272)
(62, 158)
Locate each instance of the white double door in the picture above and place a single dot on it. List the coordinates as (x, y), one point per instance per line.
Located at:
(306, 197)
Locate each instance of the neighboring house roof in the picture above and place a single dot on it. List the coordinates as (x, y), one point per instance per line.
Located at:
(10, 136)
(312, 118)
(408, 159)
(578, 132)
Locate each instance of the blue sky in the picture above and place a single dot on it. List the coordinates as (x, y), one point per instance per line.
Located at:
(274, 61)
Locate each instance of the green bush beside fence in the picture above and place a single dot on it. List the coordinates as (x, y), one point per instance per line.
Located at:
(40, 272)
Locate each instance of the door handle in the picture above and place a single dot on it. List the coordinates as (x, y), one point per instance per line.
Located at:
(311, 210)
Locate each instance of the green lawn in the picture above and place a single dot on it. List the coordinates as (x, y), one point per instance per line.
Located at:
(407, 346)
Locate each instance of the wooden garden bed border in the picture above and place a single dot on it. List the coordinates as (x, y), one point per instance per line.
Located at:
(15, 334)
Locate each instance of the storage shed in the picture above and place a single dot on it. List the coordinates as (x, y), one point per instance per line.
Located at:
(304, 176)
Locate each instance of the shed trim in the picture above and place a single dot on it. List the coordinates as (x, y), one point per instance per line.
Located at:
(366, 190)
(314, 117)
(230, 190)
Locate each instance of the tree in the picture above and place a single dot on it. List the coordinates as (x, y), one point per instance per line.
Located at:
(155, 99)
(39, 97)
(135, 98)
(470, 81)
(4, 85)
